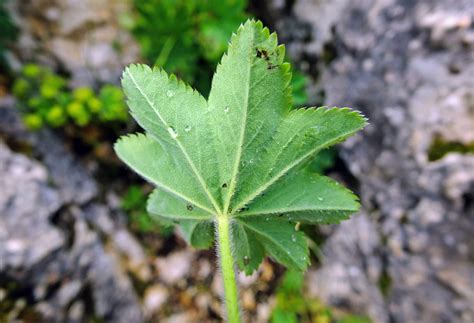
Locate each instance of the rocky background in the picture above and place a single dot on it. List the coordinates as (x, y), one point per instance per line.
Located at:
(67, 254)
(409, 66)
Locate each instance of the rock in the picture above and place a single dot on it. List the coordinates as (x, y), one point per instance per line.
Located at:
(83, 37)
(185, 317)
(351, 266)
(123, 241)
(408, 66)
(72, 180)
(155, 297)
(27, 203)
(51, 233)
(247, 281)
(174, 267)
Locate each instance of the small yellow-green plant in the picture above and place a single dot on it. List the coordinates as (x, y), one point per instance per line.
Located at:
(46, 100)
(292, 306)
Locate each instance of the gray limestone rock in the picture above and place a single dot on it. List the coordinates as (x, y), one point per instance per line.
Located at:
(52, 233)
(84, 37)
(26, 205)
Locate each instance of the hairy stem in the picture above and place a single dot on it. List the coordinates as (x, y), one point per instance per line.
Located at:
(228, 270)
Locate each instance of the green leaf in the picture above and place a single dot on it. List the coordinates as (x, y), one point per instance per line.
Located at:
(175, 116)
(249, 252)
(280, 239)
(167, 205)
(158, 164)
(200, 234)
(281, 316)
(240, 154)
(305, 197)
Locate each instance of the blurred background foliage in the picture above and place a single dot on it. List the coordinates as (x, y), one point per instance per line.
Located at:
(7, 35)
(185, 37)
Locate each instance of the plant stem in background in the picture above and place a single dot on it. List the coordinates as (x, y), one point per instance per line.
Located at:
(228, 270)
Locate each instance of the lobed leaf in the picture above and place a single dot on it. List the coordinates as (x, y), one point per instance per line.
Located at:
(239, 154)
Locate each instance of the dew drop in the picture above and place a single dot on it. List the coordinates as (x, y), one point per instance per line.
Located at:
(187, 128)
(189, 207)
(226, 109)
(169, 93)
(246, 260)
(172, 132)
(293, 238)
(224, 185)
(320, 198)
(267, 219)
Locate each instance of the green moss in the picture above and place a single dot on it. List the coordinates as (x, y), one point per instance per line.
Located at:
(440, 148)
(385, 283)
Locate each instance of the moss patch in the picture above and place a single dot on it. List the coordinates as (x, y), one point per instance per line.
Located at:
(440, 147)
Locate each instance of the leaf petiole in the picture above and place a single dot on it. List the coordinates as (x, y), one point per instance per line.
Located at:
(228, 268)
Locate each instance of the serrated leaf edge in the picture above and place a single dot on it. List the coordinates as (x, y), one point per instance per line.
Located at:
(188, 159)
(338, 139)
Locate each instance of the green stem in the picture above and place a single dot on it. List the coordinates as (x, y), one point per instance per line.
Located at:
(228, 270)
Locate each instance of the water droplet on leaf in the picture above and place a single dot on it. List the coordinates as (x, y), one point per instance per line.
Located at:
(169, 93)
(246, 260)
(172, 132)
(293, 238)
(226, 109)
(320, 198)
(187, 128)
(189, 207)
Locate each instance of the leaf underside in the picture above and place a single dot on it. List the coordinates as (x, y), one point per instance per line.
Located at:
(241, 153)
